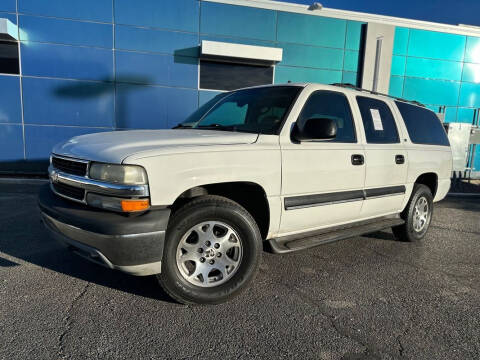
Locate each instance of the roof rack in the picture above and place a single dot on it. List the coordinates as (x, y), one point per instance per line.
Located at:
(350, 86)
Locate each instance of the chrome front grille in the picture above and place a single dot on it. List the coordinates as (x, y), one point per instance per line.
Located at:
(70, 166)
(68, 191)
(69, 179)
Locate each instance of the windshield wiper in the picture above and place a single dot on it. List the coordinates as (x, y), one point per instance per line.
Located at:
(216, 127)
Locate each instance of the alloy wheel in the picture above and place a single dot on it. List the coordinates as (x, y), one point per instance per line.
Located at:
(209, 254)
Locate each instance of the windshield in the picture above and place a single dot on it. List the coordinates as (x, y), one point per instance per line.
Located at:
(258, 110)
(201, 111)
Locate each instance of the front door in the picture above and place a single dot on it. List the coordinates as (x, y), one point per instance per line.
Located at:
(322, 181)
(385, 159)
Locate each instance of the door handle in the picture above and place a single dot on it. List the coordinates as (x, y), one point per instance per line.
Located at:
(399, 159)
(358, 159)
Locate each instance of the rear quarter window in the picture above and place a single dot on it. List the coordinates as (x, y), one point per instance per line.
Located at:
(423, 125)
(378, 121)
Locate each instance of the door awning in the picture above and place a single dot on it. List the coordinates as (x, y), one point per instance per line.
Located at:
(240, 53)
(8, 30)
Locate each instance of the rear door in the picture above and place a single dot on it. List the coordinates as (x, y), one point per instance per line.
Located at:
(385, 158)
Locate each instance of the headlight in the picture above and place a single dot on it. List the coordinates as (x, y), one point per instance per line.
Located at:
(118, 174)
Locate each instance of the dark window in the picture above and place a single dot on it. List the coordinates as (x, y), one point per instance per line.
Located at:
(230, 76)
(259, 110)
(9, 57)
(423, 125)
(330, 105)
(378, 121)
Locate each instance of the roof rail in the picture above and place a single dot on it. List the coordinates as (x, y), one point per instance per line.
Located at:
(350, 86)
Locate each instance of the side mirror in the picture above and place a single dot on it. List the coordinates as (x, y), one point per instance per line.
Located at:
(316, 129)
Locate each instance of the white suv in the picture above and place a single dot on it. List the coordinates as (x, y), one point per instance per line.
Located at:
(296, 165)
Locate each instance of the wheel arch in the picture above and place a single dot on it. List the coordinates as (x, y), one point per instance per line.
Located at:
(250, 195)
(429, 179)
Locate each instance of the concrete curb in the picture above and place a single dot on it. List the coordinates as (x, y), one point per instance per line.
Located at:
(12, 180)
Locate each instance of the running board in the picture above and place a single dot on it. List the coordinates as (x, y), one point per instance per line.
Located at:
(303, 241)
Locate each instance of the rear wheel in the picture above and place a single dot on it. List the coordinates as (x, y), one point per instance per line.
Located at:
(212, 251)
(417, 215)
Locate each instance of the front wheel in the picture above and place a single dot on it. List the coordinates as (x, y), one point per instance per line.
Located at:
(212, 251)
(417, 215)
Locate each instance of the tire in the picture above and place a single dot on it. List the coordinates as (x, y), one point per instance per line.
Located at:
(414, 228)
(235, 249)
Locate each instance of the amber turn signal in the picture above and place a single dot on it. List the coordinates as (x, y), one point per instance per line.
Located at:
(135, 205)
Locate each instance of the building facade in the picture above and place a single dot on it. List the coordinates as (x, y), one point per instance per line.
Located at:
(71, 67)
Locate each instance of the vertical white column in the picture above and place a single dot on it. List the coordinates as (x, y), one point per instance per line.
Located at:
(377, 60)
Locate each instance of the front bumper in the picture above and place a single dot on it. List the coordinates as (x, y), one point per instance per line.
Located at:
(129, 243)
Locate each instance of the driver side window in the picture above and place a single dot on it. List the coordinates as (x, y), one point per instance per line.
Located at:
(330, 105)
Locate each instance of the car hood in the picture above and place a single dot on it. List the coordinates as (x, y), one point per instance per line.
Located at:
(114, 147)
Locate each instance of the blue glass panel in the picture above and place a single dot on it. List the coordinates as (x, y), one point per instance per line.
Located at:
(11, 138)
(450, 114)
(165, 14)
(67, 61)
(400, 43)
(354, 35)
(398, 65)
(349, 77)
(311, 30)
(471, 73)
(238, 21)
(96, 10)
(351, 61)
(465, 115)
(181, 104)
(396, 86)
(10, 108)
(204, 96)
(435, 92)
(11, 17)
(40, 140)
(168, 42)
(436, 45)
(469, 95)
(65, 31)
(157, 69)
(434, 69)
(69, 102)
(8, 5)
(312, 56)
(150, 107)
(297, 74)
(141, 107)
(472, 52)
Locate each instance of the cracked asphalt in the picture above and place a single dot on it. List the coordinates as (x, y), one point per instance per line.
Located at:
(364, 298)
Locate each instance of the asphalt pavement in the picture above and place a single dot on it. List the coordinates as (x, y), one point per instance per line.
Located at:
(369, 297)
